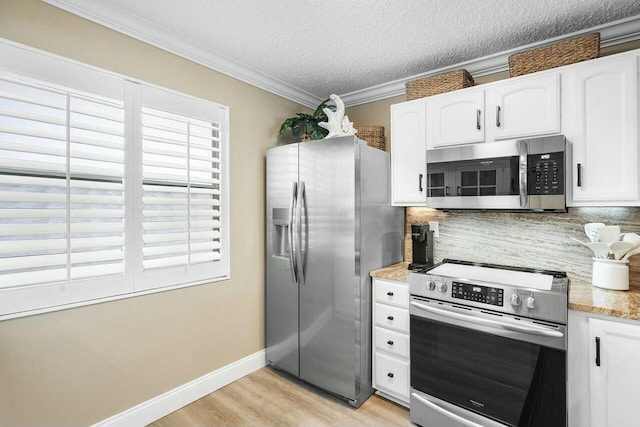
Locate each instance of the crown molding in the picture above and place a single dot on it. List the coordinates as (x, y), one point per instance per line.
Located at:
(147, 32)
(611, 34)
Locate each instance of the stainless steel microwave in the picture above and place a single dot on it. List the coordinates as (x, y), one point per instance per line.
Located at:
(525, 174)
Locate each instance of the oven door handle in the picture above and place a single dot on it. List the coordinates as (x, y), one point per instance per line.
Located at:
(445, 412)
(534, 330)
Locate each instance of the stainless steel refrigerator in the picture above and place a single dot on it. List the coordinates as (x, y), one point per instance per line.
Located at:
(329, 222)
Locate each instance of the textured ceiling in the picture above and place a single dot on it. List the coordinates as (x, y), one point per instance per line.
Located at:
(338, 46)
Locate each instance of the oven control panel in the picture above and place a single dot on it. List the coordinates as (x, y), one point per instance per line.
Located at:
(477, 293)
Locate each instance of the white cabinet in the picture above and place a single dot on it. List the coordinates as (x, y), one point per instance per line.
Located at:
(615, 374)
(391, 376)
(408, 145)
(604, 132)
(524, 107)
(456, 118)
(605, 395)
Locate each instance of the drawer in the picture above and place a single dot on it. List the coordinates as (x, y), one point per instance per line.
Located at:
(392, 317)
(391, 293)
(392, 342)
(391, 375)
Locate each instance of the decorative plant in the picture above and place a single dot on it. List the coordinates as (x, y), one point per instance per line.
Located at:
(306, 126)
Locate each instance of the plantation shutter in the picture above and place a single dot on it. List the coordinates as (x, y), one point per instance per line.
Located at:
(181, 177)
(61, 185)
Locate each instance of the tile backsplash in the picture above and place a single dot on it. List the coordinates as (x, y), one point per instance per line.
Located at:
(536, 240)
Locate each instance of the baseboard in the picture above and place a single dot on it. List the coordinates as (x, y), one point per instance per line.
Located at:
(166, 403)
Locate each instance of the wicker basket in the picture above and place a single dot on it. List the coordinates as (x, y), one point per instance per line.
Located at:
(440, 83)
(374, 135)
(556, 55)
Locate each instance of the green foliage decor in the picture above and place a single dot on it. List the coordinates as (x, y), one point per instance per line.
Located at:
(306, 126)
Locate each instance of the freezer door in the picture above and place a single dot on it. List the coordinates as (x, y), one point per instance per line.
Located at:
(328, 281)
(281, 287)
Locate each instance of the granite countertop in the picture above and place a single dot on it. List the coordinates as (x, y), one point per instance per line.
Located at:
(582, 296)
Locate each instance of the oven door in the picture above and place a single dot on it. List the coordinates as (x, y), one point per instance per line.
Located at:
(468, 364)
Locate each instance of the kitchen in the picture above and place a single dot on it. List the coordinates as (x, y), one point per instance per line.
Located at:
(104, 359)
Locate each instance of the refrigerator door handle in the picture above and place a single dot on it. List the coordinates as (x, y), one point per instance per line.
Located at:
(299, 249)
(292, 248)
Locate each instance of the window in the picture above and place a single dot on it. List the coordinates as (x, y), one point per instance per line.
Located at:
(107, 187)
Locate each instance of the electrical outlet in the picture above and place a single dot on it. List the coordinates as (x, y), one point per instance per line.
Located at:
(435, 227)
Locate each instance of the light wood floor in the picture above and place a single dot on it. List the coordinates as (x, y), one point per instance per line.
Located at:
(268, 398)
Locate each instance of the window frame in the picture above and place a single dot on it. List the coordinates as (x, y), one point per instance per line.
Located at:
(25, 63)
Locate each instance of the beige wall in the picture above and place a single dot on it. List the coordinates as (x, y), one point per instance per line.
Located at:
(80, 366)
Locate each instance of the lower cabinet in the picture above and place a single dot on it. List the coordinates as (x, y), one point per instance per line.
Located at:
(604, 371)
(391, 377)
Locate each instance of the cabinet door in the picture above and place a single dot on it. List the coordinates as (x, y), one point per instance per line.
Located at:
(529, 106)
(408, 165)
(615, 374)
(605, 131)
(455, 119)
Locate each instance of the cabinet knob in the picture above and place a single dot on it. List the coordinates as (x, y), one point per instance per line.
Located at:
(390, 342)
(390, 293)
(390, 374)
(389, 317)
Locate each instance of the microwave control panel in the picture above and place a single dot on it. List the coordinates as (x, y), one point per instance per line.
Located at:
(545, 174)
(477, 293)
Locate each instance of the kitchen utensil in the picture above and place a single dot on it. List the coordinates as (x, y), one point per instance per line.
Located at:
(618, 249)
(631, 253)
(578, 240)
(600, 249)
(609, 233)
(591, 230)
(632, 238)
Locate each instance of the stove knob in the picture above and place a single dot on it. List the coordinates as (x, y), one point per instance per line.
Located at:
(531, 302)
(431, 285)
(442, 287)
(515, 300)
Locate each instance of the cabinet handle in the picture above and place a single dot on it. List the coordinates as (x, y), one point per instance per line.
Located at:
(390, 293)
(389, 317)
(390, 374)
(497, 115)
(478, 119)
(420, 182)
(597, 351)
(390, 342)
(579, 175)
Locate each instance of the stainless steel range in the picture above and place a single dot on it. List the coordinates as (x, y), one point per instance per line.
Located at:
(488, 346)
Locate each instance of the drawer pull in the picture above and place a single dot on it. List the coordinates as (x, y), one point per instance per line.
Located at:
(390, 374)
(390, 342)
(390, 293)
(389, 317)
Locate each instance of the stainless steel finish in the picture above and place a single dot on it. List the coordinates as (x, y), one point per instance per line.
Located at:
(292, 254)
(445, 412)
(551, 305)
(522, 165)
(531, 302)
(427, 410)
(300, 249)
(497, 116)
(506, 322)
(508, 148)
(515, 300)
(282, 290)
(344, 227)
(478, 120)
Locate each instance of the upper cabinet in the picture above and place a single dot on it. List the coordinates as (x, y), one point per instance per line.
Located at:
(524, 107)
(456, 118)
(408, 149)
(603, 130)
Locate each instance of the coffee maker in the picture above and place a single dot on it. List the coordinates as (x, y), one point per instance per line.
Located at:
(422, 240)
